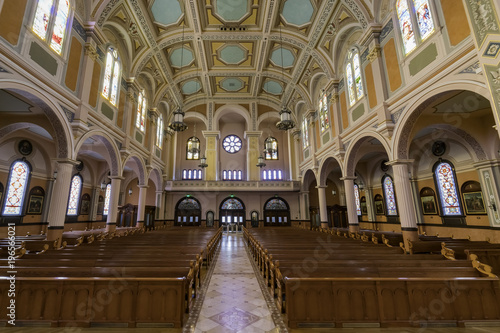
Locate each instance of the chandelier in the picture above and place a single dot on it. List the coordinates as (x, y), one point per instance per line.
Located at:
(261, 163)
(178, 123)
(286, 121)
(203, 162)
(194, 144)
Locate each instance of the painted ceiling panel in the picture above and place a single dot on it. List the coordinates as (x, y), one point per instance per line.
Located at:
(232, 10)
(298, 12)
(166, 12)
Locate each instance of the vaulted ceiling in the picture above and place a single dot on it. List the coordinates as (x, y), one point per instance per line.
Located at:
(228, 50)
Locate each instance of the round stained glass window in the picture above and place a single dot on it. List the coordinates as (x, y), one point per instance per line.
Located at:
(231, 144)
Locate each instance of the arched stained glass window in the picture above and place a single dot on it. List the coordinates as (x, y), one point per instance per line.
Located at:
(413, 13)
(276, 204)
(447, 189)
(323, 113)
(305, 133)
(74, 195)
(356, 198)
(140, 121)
(390, 197)
(159, 132)
(190, 155)
(232, 203)
(354, 80)
(106, 200)
(188, 203)
(50, 22)
(111, 76)
(16, 188)
(271, 155)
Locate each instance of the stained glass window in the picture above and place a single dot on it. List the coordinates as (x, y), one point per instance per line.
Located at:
(276, 204)
(74, 195)
(271, 155)
(447, 189)
(112, 77)
(49, 28)
(59, 29)
(390, 197)
(424, 18)
(305, 133)
(356, 198)
(188, 203)
(232, 175)
(409, 13)
(159, 132)
(354, 80)
(141, 112)
(232, 144)
(16, 188)
(232, 203)
(275, 174)
(42, 18)
(189, 154)
(106, 200)
(323, 113)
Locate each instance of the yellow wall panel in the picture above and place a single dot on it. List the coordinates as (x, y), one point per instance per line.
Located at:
(370, 85)
(456, 20)
(94, 87)
(11, 19)
(343, 109)
(75, 54)
(392, 65)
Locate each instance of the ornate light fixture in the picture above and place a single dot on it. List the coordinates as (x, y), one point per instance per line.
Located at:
(194, 144)
(269, 146)
(178, 123)
(203, 162)
(261, 163)
(286, 121)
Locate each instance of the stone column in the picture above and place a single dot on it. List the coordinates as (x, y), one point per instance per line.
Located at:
(352, 215)
(304, 205)
(154, 115)
(113, 203)
(297, 152)
(141, 205)
(167, 149)
(212, 139)
(46, 204)
(253, 171)
(416, 199)
(369, 204)
(489, 175)
(404, 198)
(59, 200)
(93, 203)
(323, 213)
(159, 205)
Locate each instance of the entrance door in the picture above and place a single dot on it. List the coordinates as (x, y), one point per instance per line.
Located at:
(276, 213)
(232, 215)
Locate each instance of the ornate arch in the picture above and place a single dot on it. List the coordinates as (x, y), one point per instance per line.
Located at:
(238, 109)
(325, 167)
(351, 158)
(307, 179)
(114, 161)
(414, 109)
(140, 168)
(62, 131)
(155, 175)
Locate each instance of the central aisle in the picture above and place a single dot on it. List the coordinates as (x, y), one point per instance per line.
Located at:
(234, 301)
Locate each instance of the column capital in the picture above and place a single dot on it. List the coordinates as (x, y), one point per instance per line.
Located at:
(207, 134)
(249, 134)
(348, 178)
(65, 161)
(116, 177)
(399, 162)
(143, 186)
(321, 186)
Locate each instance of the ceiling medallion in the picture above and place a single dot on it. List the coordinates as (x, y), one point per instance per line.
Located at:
(25, 147)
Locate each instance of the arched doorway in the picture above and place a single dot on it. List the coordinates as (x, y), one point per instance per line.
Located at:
(232, 214)
(276, 213)
(187, 212)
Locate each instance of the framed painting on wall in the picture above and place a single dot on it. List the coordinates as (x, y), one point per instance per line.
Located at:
(35, 204)
(474, 203)
(379, 207)
(85, 205)
(429, 206)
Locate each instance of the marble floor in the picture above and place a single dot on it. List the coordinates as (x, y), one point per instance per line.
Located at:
(234, 301)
